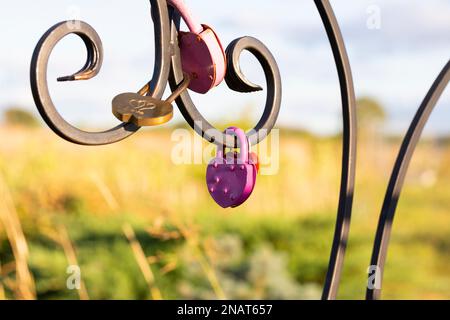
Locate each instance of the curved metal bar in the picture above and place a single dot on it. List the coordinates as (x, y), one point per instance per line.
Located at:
(348, 153)
(234, 78)
(39, 66)
(236, 81)
(397, 180)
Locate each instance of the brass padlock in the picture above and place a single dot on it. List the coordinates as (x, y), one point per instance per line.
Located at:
(142, 110)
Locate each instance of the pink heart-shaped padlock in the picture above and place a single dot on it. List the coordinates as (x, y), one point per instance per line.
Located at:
(202, 54)
(231, 181)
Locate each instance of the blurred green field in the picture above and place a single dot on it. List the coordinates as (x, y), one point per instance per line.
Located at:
(78, 205)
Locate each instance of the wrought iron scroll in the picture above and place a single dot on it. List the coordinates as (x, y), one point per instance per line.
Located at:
(167, 61)
(381, 244)
(39, 65)
(168, 69)
(235, 81)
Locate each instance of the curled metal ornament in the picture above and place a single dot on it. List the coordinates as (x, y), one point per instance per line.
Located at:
(39, 83)
(167, 58)
(168, 67)
(238, 82)
(235, 81)
(409, 145)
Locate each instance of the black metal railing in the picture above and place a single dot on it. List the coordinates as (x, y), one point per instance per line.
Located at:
(344, 213)
(168, 69)
(381, 244)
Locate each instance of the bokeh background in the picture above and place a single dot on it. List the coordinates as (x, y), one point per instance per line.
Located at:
(140, 227)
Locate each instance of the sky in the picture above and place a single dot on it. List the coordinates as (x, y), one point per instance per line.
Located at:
(395, 63)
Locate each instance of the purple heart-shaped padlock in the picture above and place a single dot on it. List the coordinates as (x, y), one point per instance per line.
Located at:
(231, 180)
(202, 54)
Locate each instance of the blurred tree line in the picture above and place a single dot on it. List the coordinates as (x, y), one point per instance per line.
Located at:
(371, 116)
(18, 116)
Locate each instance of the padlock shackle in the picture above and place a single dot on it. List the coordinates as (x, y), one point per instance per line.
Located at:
(187, 16)
(243, 144)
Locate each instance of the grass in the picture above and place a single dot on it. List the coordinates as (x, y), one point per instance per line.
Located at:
(141, 227)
